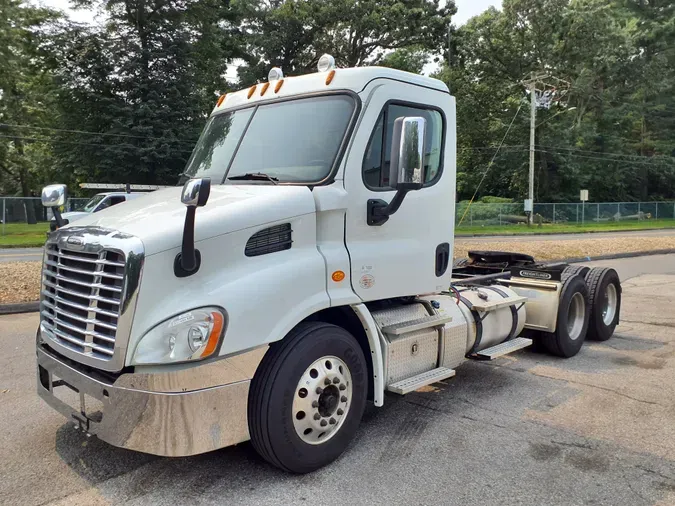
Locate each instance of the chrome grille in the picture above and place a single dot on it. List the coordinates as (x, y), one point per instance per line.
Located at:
(81, 298)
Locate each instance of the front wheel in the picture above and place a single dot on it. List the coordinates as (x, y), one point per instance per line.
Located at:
(307, 397)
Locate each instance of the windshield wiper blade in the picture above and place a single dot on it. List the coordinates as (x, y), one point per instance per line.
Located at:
(255, 176)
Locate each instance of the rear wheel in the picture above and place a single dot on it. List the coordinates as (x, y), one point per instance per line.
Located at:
(605, 295)
(571, 270)
(573, 319)
(307, 397)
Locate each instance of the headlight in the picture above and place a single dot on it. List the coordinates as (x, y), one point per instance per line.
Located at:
(194, 335)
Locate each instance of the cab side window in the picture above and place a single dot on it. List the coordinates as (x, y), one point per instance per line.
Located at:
(378, 153)
(116, 200)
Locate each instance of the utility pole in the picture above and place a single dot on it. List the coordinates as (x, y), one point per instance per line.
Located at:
(533, 117)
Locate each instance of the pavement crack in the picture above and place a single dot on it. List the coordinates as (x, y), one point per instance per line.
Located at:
(651, 471)
(660, 324)
(616, 392)
(630, 487)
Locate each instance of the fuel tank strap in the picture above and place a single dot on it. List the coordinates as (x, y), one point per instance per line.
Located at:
(479, 324)
(514, 312)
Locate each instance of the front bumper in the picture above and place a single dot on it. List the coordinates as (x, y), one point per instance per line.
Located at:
(181, 420)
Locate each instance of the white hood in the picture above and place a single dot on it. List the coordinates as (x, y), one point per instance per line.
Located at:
(71, 216)
(157, 218)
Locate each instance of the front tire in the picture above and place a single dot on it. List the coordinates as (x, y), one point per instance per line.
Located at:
(573, 318)
(307, 397)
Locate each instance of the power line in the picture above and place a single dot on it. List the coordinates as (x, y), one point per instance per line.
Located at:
(605, 159)
(490, 164)
(56, 141)
(30, 127)
(604, 153)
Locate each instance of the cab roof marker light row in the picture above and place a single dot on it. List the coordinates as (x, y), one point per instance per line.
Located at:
(221, 99)
(251, 90)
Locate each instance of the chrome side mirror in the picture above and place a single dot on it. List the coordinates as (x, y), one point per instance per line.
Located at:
(406, 171)
(54, 195)
(195, 194)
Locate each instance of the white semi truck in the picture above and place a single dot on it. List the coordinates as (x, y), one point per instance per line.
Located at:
(315, 276)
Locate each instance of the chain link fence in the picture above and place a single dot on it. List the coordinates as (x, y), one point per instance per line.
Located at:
(29, 210)
(480, 214)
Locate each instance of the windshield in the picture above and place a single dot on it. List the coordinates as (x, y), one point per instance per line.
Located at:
(89, 207)
(292, 141)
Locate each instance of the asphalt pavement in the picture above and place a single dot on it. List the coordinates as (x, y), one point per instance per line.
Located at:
(529, 429)
(20, 255)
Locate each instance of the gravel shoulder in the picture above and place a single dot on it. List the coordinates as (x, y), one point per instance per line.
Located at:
(20, 281)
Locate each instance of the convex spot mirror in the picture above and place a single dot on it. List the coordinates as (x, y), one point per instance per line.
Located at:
(406, 171)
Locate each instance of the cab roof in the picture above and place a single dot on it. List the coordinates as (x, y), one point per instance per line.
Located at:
(354, 79)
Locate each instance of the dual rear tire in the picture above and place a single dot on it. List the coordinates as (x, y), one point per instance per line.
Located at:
(590, 301)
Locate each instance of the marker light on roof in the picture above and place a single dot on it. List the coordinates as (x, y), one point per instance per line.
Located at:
(326, 63)
(275, 74)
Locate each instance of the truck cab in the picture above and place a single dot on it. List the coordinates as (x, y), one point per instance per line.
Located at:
(302, 270)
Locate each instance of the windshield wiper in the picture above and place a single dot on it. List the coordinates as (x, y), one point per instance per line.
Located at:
(255, 176)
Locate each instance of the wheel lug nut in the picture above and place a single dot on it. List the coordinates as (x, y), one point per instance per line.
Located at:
(343, 387)
(319, 390)
(315, 404)
(332, 421)
(336, 380)
(326, 381)
(340, 412)
(324, 423)
(343, 398)
(317, 416)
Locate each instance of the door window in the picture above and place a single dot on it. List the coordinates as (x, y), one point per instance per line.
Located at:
(378, 153)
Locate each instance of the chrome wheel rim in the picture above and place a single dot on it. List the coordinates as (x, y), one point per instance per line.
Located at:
(575, 316)
(322, 399)
(609, 304)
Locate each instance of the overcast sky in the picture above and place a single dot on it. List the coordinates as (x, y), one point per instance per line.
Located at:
(465, 9)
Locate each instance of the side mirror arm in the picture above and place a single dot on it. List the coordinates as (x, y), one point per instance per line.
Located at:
(195, 194)
(379, 211)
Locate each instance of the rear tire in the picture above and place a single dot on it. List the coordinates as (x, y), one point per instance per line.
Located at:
(573, 318)
(605, 296)
(571, 270)
(294, 384)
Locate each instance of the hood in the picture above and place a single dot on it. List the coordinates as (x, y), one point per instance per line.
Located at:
(158, 217)
(74, 215)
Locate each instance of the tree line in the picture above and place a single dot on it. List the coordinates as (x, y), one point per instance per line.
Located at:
(124, 100)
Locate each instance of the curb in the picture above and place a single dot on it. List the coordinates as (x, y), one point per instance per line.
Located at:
(566, 232)
(22, 307)
(613, 256)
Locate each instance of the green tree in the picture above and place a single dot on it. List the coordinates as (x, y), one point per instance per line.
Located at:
(25, 97)
(293, 34)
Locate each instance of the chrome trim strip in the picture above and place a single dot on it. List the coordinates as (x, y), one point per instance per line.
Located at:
(61, 300)
(115, 289)
(104, 274)
(81, 294)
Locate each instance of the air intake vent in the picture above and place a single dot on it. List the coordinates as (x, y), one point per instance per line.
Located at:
(269, 240)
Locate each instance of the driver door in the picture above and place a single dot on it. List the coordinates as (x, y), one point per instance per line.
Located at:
(401, 256)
